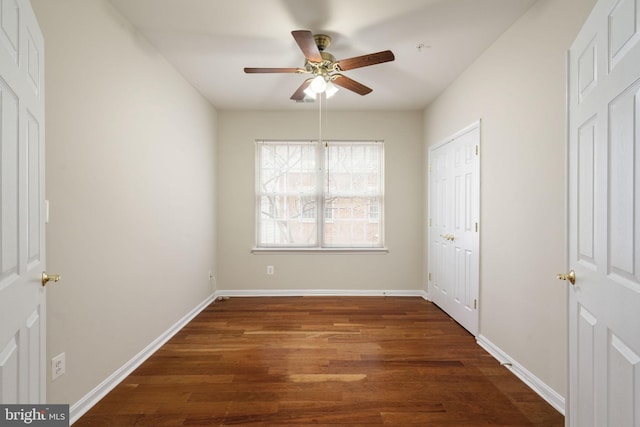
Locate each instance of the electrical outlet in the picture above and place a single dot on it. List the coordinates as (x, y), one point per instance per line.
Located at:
(58, 366)
(269, 269)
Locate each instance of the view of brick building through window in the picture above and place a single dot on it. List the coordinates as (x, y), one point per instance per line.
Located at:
(312, 195)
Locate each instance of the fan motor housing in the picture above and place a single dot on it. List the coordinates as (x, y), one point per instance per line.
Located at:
(328, 57)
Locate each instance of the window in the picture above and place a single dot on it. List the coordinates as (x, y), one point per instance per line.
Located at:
(311, 195)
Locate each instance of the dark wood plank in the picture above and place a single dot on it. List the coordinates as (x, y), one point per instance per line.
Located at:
(322, 361)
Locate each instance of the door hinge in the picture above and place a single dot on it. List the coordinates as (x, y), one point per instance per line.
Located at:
(475, 304)
(476, 227)
(429, 167)
(476, 150)
(429, 276)
(429, 222)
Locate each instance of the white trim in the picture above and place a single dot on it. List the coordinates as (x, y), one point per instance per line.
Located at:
(315, 251)
(319, 292)
(79, 408)
(465, 130)
(536, 384)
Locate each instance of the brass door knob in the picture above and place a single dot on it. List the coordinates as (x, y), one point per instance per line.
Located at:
(571, 277)
(49, 278)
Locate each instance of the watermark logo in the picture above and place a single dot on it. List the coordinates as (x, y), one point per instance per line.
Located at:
(34, 415)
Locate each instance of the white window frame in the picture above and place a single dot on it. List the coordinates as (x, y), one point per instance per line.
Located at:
(321, 192)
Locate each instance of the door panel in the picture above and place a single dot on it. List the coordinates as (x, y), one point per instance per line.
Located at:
(22, 297)
(586, 331)
(439, 248)
(10, 28)
(10, 181)
(453, 234)
(622, 188)
(9, 372)
(463, 234)
(586, 146)
(624, 381)
(604, 215)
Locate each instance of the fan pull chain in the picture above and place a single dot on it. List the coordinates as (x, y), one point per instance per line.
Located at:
(326, 115)
(320, 118)
(327, 166)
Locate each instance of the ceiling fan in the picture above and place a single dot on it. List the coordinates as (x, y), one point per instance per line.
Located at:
(325, 70)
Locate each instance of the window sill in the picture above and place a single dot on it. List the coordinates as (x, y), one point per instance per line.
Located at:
(298, 251)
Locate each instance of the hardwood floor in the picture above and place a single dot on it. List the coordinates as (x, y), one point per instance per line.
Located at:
(322, 361)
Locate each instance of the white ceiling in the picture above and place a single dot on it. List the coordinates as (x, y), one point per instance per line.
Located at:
(211, 41)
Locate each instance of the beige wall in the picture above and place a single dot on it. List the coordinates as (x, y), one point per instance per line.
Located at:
(130, 176)
(517, 88)
(400, 269)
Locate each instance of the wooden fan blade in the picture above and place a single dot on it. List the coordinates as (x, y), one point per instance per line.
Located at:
(307, 45)
(272, 70)
(351, 84)
(299, 94)
(366, 60)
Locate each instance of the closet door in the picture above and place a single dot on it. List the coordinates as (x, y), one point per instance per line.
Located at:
(454, 201)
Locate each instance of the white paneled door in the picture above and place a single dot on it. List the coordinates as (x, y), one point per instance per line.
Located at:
(454, 210)
(22, 296)
(604, 218)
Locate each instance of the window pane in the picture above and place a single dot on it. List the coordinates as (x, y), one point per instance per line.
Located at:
(287, 188)
(287, 220)
(353, 195)
(287, 168)
(351, 223)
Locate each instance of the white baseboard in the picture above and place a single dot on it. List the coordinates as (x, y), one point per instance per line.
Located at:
(537, 385)
(319, 292)
(83, 405)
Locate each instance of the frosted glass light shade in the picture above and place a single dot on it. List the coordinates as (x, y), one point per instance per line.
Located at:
(318, 84)
(331, 89)
(310, 93)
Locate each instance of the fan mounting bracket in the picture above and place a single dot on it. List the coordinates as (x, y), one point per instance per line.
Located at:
(322, 41)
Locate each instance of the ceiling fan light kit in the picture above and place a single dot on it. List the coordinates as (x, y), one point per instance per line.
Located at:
(326, 71)
(319, 85)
